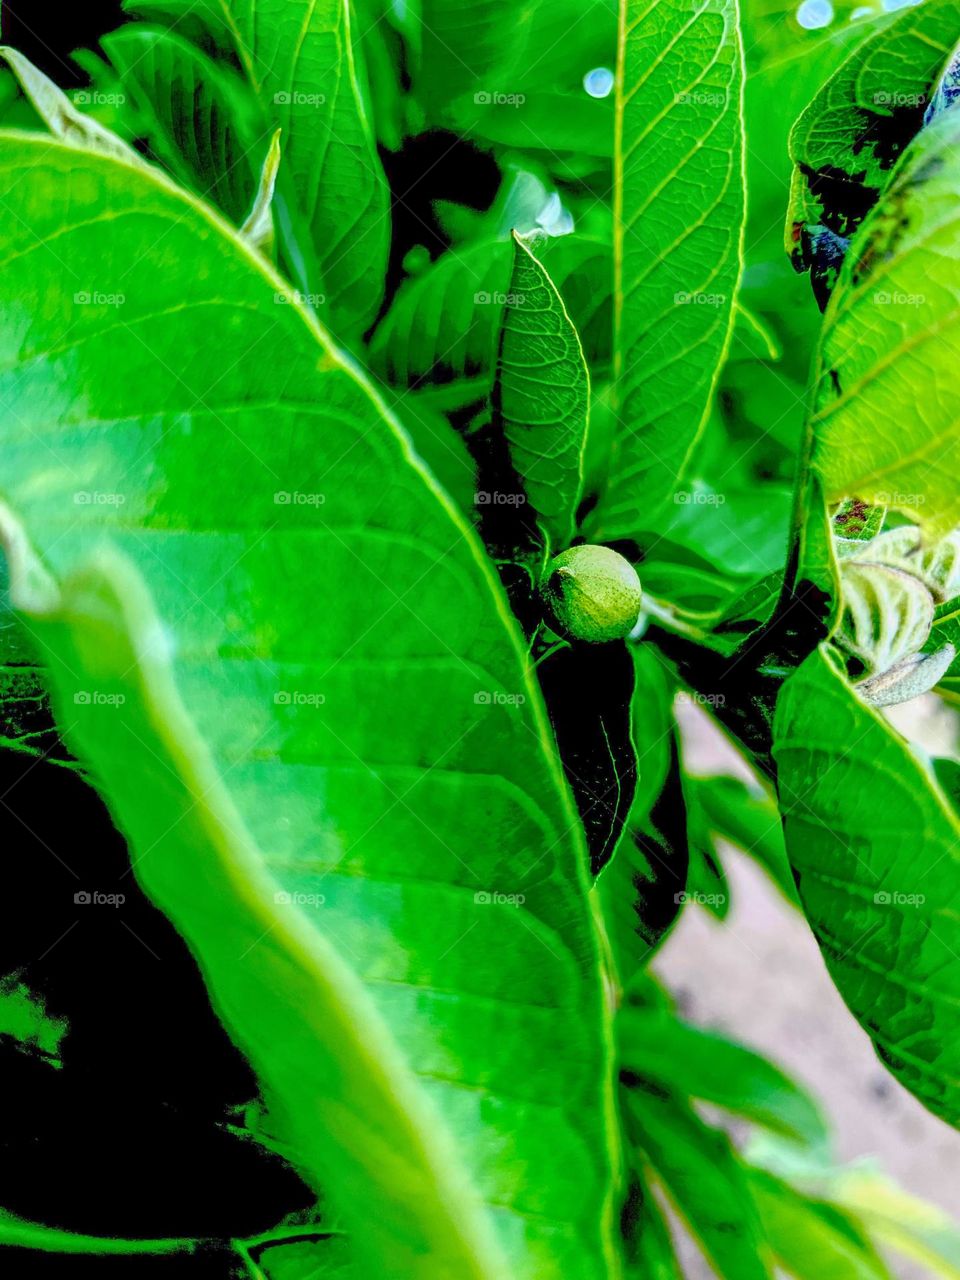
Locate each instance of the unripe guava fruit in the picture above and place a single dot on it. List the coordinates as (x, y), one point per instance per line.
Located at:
(591, 593)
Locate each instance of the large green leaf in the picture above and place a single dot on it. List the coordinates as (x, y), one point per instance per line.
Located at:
(848, 139)
(542, 395)
(293, 676)
(875, 847)
(678, 230)
(885, 423)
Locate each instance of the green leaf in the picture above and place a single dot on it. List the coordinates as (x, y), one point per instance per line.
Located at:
(893, 1217)
(25, 1019)
(705, 1181)
(749, 820)
(541, 395)
(642, 886)
(588, 690)
(946, 630)
(813, 1239)
(198, 117)
(740, 531)
(444, 323)
(874, 844)
(652, 726)
(678, 229)
(213, 16)
(887, 614)
(884, 420)
(14, 1231)
(656, 1046)
(870, 1201)
(547, 122)
(60, 115)
(849, 138)
(289, 646)
(282, 1253)
(497, 49)
(441, 448)
(296, 1260)
(935, 564)
(258, 224)
(299, 57)
(650, 1254)
(854, 522)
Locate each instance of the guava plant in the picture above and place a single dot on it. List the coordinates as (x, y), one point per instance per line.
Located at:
(360, 544)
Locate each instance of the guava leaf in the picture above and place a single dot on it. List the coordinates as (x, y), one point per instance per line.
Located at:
(588, 690)
(705, 1181)
(749, 820)
(541, 395)
(641, 889)
(299, 57)
(498, 50)
(61, 116)
(199, 117)
(258, 228)
(444, 323)
(648, 1246)
(678, 230)
(874, 846)
(856, 522)
(260, 571)
(946, 630)
(656, 1046)
(813, 1239)
(884, 416)
(847, 141)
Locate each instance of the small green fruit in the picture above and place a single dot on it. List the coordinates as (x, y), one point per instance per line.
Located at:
(591, 593)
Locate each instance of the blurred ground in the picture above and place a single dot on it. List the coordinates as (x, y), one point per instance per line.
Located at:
(760, 978)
